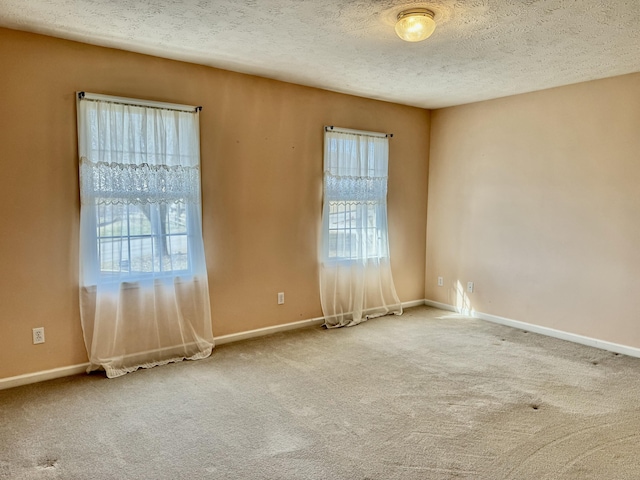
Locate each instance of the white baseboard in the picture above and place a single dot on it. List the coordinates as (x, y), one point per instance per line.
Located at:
(413, 303)
(444, 306)
(42, 376)
(235, 337)
(260, 332)
(549, 332)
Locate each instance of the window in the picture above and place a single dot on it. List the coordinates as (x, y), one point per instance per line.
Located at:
(355, 191)
(144, 294)
(140, 190)
(356, 281)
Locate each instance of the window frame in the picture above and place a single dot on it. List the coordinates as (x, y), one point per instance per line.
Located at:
(381, 250)
(127, 240)
(97, 274)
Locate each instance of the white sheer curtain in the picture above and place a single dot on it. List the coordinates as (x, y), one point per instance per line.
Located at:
(144, 297)
(355, 271)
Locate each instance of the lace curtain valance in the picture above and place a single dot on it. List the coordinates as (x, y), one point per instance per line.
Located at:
(138, 184)
(355, 189)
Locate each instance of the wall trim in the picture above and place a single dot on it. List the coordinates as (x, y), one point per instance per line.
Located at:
(413, 303)
(260, 332)
(44, 375)
(547, 331)
(445, 306)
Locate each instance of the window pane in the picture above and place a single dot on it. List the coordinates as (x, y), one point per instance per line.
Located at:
(114, 255)
(177, 258)
(176, 218)
(353, 230)
(141, 249)
(112, 221)
(355, 189)
(142, 239)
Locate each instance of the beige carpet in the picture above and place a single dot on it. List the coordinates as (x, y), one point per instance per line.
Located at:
(428, 395)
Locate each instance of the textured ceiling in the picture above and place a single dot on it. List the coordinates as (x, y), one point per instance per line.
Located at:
(481, 49)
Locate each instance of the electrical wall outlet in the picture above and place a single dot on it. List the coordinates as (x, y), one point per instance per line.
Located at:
(440, 281)
(469, 287)
(38, 335)
(281, 298)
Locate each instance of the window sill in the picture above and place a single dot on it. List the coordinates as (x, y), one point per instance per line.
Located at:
(143, 281)
(351, 261)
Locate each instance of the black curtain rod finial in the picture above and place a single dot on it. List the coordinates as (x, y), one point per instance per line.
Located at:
(80, 95)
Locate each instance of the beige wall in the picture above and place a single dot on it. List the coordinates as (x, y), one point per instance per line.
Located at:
(261, 146)
(536, 198)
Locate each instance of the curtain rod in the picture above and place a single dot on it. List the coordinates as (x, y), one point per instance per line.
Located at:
(137, 102)
(331, 128)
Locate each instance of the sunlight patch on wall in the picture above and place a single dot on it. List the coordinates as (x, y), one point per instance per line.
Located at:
(461, 300)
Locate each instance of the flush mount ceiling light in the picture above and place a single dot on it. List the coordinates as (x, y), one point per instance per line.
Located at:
(415, 25)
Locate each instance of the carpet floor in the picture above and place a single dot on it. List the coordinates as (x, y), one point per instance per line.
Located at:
(428, 395)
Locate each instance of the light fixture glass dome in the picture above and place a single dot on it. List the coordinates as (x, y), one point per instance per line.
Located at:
(415, 25)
